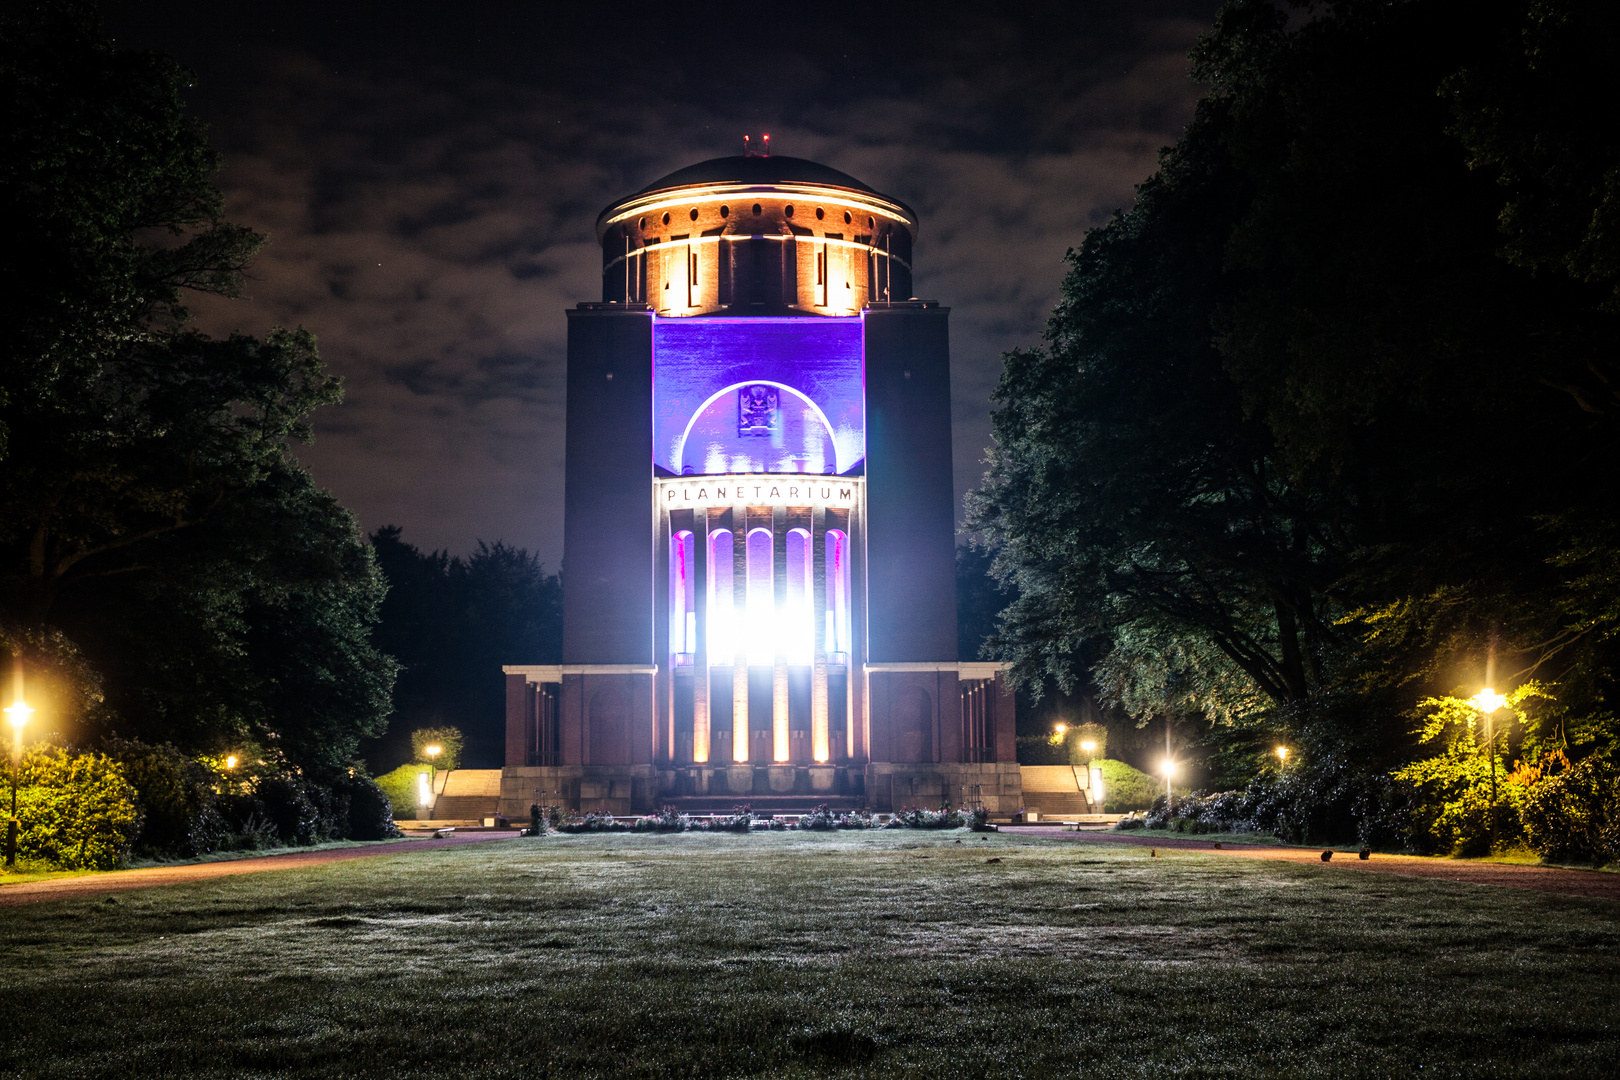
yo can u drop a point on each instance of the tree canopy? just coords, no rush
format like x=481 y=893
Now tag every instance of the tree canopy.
x=1315 y=422
x=452 y=623
x=159 y=545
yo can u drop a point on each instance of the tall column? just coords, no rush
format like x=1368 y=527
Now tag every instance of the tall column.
x=700 y=662
x=781 y=746
x=820 y=737
x=739 y=630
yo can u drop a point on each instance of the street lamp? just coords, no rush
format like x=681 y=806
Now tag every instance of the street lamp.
x=18 y=713
x=424 y=796
x=1488 y=701
x=1169 y=770
x=1088 y=746
x=1282 y=754
x=230 y=761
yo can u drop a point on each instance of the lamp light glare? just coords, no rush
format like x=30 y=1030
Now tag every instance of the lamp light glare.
x=1088 y=746
x=1282 y=754
x=230 y=761
x=1168 y=768
x=18 y=713
x=1488 y=700
x=1060 y=728
x=433 y=751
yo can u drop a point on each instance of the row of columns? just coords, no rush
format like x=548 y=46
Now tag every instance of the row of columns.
x=740 y=521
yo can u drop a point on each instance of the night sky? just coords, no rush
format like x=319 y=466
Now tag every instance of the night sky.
x=429 y=176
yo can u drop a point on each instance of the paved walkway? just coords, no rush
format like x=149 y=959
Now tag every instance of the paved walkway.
x=1543 y=878
x=33 y=892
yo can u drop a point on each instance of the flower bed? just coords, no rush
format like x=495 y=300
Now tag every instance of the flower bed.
x=742 y=819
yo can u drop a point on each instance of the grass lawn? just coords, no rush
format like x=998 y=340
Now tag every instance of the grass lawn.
x=890 y=954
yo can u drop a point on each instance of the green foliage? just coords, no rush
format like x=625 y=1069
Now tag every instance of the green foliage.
x=1124 y=787
x=1260 y=467
x=447 y=620
x=177 y=797
x=152 y=517
x=447 y=740
x=77 y=810
x=399 y=787
x=1575 y=814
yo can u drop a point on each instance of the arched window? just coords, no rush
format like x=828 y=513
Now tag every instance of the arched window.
x=722 y=600
x=837 y=629
x=761 y=628
x=682 y=597
x=799 y=620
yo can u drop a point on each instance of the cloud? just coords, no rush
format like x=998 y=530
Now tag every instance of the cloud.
x=431 y=222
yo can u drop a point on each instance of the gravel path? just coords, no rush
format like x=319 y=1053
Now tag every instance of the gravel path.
x=1543 y=878
x=33 y=892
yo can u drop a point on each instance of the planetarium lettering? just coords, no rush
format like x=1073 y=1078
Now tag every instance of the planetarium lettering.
x=771 y=491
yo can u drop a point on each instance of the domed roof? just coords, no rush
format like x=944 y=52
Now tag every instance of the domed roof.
x=755 y=169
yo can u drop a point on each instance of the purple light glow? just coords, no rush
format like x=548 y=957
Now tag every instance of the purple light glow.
x=700 y=365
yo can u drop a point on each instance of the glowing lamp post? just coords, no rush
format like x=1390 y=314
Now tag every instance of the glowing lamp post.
x=1488 y=701
x=1088 y=746
x=18 y=713
x=1282 y=754
x=1169 y=770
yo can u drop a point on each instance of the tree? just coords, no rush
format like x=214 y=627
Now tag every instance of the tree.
x=452 y=623
x=1298 y=439
x=152 y=520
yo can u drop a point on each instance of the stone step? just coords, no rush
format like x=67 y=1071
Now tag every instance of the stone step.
x=762 y=805
x=1057 y=804
x=459 y=782
x=473 y=807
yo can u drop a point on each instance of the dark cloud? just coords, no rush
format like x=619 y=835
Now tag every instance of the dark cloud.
x=429 y=179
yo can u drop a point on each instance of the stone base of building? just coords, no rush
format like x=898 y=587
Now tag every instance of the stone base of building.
x=882 y=787
x=998 y=786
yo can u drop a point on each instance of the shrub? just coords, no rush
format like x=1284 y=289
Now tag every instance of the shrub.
x=1575 y=815
x=668 y=819
x=400 y=788
x=178 y=799
x=1131 y=821
x=1125 y=788
x=289 y=806
x=77 y=811
x=913 y=817
x=447 y=739
x=821 y=819
x=370 y=811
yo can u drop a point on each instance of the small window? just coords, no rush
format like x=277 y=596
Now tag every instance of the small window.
x=692 y=213
x=848 y=217
x=642 y=224
x=725 y=211
x=871 y=223
x=820 y=213
x=788 y=209
x=666 y=217
x=756 y=209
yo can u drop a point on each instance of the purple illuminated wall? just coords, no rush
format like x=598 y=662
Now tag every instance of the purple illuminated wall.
x=701 y=364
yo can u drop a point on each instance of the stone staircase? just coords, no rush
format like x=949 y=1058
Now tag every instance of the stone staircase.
x=1056 y=792
x=468 y=795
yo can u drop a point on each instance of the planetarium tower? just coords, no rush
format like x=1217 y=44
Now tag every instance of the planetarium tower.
x=759 y=559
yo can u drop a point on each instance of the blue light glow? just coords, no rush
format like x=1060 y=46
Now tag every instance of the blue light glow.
x=700 y=365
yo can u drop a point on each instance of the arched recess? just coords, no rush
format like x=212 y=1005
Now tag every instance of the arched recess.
x=711 y=444
x=610 y=727
x=836 y=544
x=682 y=595
x=914 y=726
x=721 y=619
x=799 y=620
x=760 y=632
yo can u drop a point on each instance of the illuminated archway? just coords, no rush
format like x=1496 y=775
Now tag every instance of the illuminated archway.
x=807 y=443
